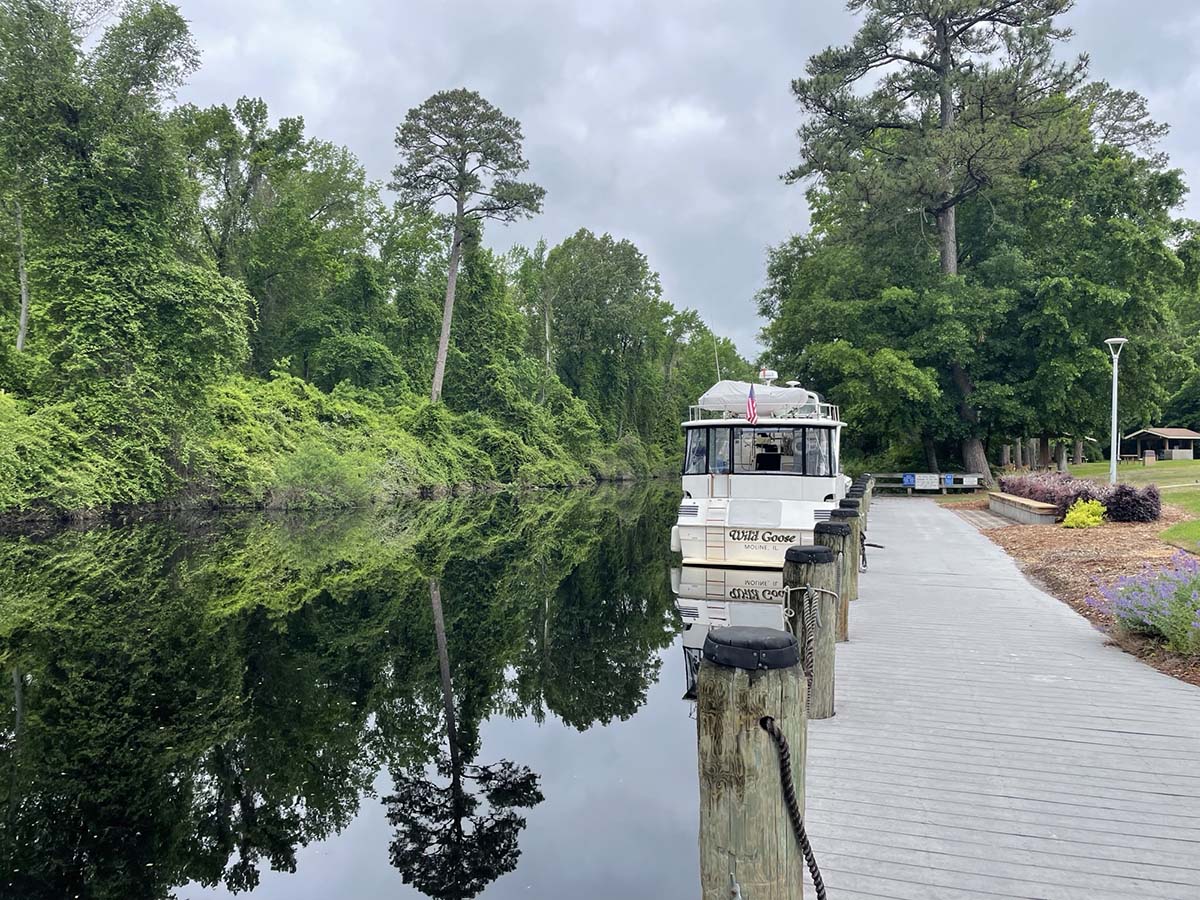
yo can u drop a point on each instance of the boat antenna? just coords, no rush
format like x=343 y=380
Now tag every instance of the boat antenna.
x=716 y=355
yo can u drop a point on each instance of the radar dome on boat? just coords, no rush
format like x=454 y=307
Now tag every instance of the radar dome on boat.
x=770 y=400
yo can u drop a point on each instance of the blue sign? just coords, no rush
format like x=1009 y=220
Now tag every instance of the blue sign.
x=949 y=481
x=908 y=479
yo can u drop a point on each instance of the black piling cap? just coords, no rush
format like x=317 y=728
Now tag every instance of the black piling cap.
x=808 y=553
x=856 y=491
x=850 y=503
x=746 y=647
x=844 y=514
x=839 y=528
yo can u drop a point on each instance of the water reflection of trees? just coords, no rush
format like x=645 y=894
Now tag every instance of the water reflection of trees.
x=197 y=701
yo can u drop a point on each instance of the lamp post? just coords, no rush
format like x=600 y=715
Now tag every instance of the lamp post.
x=1114 y=349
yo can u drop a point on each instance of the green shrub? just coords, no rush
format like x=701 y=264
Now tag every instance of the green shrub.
x=357 y=359
x=314 y=475
x=1084 y=514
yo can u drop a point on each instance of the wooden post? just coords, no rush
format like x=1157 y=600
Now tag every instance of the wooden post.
x=854 y=520
x=836 y=536
x=810 y=578
x=745 y=839
x=1005 y=456
x=1060 y=454
x=855 y=502
x=1019 y=455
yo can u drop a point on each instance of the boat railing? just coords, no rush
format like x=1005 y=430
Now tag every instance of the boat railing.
x=807 y=411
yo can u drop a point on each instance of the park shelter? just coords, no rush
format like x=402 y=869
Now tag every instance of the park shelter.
x=1167 y=443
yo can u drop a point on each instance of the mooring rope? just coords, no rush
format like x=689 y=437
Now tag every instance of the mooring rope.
x=793 y=807
x=863 y=552
x=809 y=612
x=810 y=620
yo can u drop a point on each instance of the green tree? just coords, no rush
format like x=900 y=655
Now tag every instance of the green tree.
x=457 y=147
x=38 y=77
x=1081 y=248
x=610 y=326
x=970 y=93
x=234 y=155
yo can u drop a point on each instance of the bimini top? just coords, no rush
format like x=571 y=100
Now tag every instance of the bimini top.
x=727 y=399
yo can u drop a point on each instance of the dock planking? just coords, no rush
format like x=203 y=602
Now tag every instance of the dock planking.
x=987 y=742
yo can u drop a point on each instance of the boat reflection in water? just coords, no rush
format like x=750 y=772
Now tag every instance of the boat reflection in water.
x=707 y=597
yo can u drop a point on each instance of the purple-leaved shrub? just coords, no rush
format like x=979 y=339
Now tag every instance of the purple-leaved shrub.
x=1122 y=502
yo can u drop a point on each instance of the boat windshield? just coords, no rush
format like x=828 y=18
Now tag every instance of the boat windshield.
x=801 y=450
x=695 y=456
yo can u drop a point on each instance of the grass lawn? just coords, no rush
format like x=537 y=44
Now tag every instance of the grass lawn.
x=1179 y=482
x=1165 y=474
x=962 y=498
x=1185 y=535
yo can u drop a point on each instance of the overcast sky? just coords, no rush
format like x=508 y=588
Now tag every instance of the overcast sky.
x=667 y=123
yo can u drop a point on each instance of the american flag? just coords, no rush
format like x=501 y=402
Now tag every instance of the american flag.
x=751 y=408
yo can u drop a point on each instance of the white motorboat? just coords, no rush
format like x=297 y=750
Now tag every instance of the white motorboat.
x=756 y=477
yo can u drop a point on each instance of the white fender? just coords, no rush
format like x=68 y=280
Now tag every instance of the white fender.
x=676 y=546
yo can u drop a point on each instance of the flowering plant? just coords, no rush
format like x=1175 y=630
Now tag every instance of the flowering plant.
x=1163 y=601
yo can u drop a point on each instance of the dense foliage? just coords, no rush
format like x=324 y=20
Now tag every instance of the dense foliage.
x=983 y=218
x=196 y=701
x=212 y=306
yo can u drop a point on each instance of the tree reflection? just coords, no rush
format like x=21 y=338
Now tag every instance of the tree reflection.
x=195 y=702
x=448 y=844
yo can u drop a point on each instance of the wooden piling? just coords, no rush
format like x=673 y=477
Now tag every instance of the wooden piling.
x=868 y=482
x=836 y=536
x=857 y=494
x=746 y=674
x=810 y=578
x=851 y=518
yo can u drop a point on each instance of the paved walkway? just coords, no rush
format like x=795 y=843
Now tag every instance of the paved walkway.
x=988 y=744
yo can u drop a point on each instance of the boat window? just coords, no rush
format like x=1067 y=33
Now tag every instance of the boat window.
x=718 y=451
x=769 y=450
x=818 y=459
x=695 y=455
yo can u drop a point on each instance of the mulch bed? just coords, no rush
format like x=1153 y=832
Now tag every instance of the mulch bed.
x=1068 y=563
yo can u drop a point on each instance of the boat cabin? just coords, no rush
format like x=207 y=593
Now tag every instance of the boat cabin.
x=758 y=474
x=796 y=435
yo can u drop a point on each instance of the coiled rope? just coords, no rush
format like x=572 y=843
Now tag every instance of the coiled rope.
x=793 y=807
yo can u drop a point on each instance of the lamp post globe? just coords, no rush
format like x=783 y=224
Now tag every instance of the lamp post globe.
x=1115 y=346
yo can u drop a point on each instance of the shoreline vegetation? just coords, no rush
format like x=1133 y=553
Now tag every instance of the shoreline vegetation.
x=282 y=444
x=208 y=307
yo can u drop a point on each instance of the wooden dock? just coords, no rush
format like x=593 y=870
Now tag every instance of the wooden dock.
x=987 y=744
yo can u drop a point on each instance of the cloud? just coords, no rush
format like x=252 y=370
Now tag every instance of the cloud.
x=664 y=121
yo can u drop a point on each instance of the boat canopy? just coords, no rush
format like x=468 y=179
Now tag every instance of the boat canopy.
x=729 y=398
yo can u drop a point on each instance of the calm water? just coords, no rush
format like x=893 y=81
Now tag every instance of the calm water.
x=251 y=704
